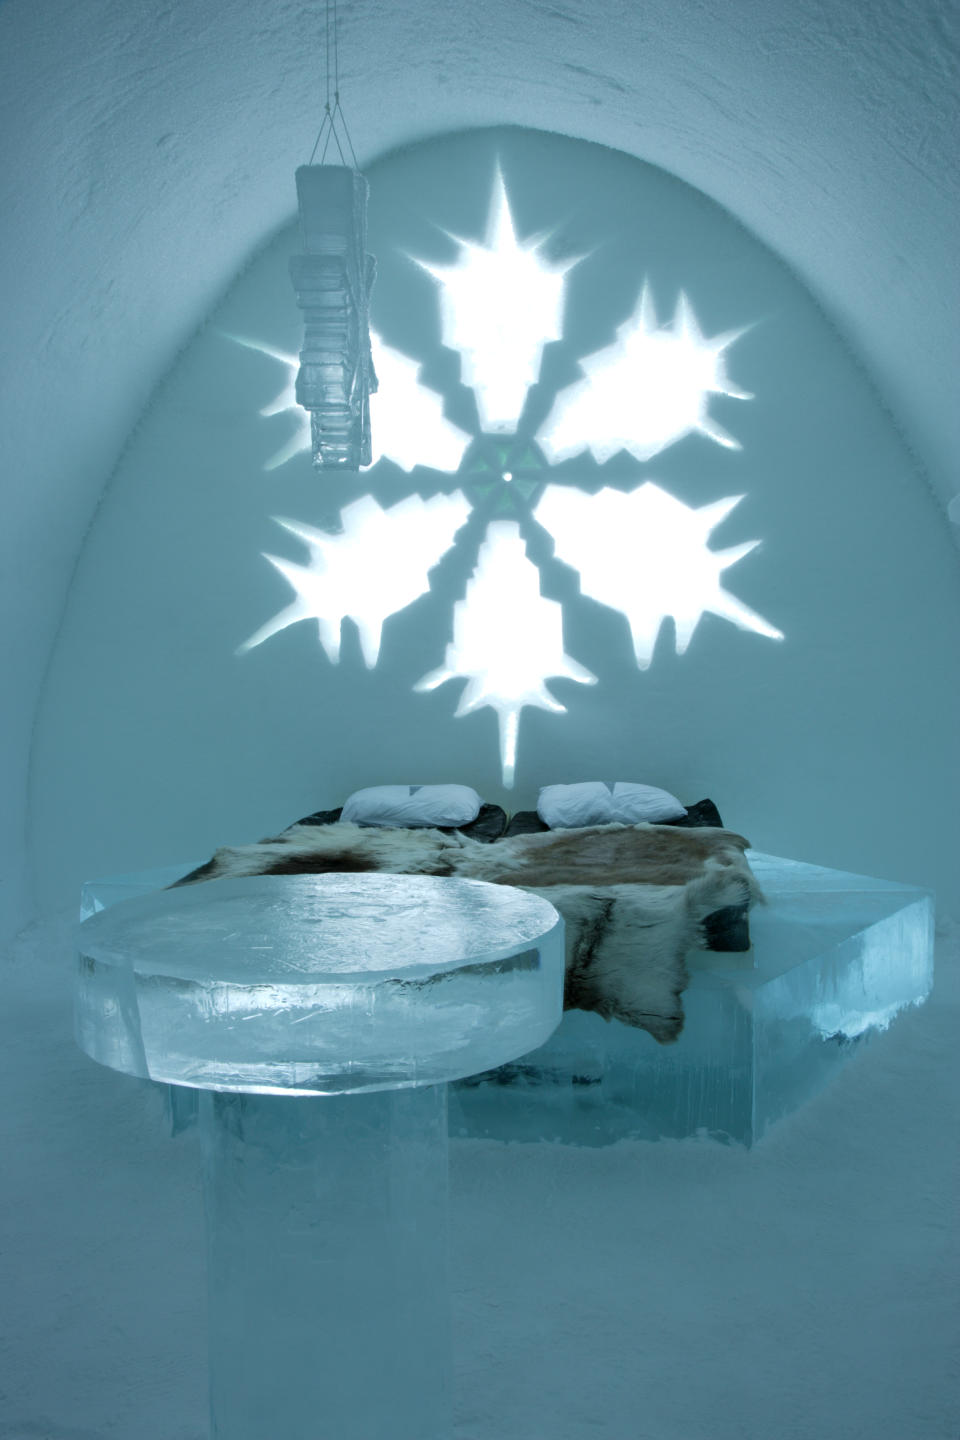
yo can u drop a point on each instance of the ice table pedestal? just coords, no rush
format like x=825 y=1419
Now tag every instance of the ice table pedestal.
x=321 y=1016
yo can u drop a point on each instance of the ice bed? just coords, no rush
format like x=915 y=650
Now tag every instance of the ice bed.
x=773 y=1005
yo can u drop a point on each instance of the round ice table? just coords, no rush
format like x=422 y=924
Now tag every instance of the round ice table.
x=326 y=1221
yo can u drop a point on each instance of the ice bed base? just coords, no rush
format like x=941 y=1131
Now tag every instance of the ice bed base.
x=835 y=958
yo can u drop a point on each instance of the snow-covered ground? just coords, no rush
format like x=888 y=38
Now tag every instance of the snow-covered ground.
x=804 y=1290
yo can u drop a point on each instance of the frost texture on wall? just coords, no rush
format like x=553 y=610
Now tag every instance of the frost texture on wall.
x=638 y=550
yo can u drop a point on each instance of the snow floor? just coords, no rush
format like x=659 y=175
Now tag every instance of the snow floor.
x=683 y=1290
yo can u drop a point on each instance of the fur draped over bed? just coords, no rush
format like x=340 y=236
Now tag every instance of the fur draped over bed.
x=632 y=896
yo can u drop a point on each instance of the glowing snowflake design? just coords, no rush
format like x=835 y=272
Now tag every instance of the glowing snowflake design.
x=500 y=303
x=376 y=566
x=506 y=663
x=640 y=550
x=654 y=561
x=646 y=391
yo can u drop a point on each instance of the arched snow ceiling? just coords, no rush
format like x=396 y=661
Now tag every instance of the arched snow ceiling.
x=149 y=148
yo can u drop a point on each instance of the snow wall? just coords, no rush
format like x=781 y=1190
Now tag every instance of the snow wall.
x=157 y=741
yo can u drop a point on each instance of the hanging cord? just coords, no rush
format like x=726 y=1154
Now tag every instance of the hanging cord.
x=333 y=113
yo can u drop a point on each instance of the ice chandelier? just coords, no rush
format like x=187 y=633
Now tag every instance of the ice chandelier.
x=333 y=279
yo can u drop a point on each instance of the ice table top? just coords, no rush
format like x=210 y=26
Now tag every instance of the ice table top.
x=319 y=984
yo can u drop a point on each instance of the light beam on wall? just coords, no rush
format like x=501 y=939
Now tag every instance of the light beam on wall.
x=500 y=303
x=285 y=402
x=507 y=641
x=645 y=553
x=646 y=391
x=407 y=419
x=409 y=426
x=378 y=564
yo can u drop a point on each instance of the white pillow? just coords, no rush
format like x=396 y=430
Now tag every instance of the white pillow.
x=565 y=806
x=592 y=802
x=633 y=804
x=409 y=806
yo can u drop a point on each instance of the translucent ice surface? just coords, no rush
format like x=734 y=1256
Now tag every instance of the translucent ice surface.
x=96 y=895
x=318 y=984
x=333 y=280
x=327 y=1265
x=835 y=958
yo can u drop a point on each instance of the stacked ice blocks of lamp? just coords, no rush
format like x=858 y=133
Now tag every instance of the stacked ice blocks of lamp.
x=333 y=279
x=320 y=1017
x=835 y=957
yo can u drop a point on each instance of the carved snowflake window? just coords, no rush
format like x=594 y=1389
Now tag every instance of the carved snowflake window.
x=640 y=551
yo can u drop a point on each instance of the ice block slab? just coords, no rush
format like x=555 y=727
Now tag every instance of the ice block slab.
x=327 y=1265
x=318 y=1015
x=835 y=958
x=97 y=895
x=318 y=984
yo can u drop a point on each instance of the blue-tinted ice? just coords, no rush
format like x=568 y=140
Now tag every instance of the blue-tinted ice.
x=319 y=983
x=835 y=957
x=318 y=1015
x=327 y=1265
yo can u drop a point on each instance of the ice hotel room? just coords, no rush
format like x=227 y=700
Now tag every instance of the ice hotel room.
x=566 y=625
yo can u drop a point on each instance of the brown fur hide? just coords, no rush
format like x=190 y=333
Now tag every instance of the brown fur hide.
x=607 y=855
x=632 y=896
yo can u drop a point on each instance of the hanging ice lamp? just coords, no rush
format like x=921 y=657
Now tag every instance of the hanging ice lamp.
x=333 y=278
